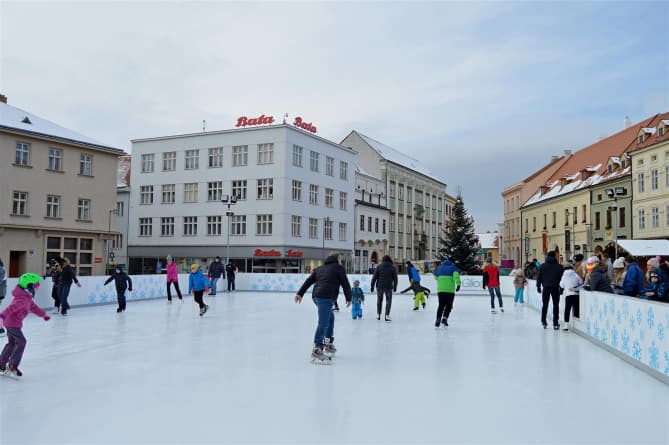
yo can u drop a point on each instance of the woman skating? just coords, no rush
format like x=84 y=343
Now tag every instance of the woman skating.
x=172 y=279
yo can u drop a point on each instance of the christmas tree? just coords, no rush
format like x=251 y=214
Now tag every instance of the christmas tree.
x=460 y=243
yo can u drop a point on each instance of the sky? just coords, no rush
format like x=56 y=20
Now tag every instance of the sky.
x=484 y=93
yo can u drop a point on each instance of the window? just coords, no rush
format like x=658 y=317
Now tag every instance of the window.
x=328 y=198
x=667 y=210
x=327 y=228
x=297 y=190
x=313 y=161
x=362 y=223
x=168 y=195
x=566 y=218
x=120 y=207
x=238 y=225
x=376 y=225
x=653 y=179
x=296 y=225
x=583 y=211
x=342 y=231
x=214 y=225
x=190 y=225
x=263 y=225
x=369 y=223
x=621 y=217
x=660 y=132
x=215 y=157
x=55 y=159
x=384 y=226
x=265 y=153
x=52 y=206
x=392 y=189
x=85 y=165
x=642 y=219
x=343 y=170
x=240 y=155
x=190 y=192
x=597 y=221
x=329 y=166
x=145 y=226
x=117 y=241
x=148 y=163
x=608 y=218
x=297 y=155
x=574 y=216
x=167 y=226
x=192 y=160
x=313 y=228
x=342 y=200
x=146 y=194
x=239 y=189
x=666 y=176
x=554 y=220
x=169 y=161
x=313 y=194
x=214 y=190
x=400 y=192
x=84 y=209
x=655 y=217
x=22 y=154
x=534 y=223
x=265 y=188
x=640 y=185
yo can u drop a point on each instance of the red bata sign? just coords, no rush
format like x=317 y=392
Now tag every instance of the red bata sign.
x=244 y=121
x=304 y=125
x=260 y=252
x=294 y=253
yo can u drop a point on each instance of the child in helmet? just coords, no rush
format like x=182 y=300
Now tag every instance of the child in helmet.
x=12 y=319
x=358 y=297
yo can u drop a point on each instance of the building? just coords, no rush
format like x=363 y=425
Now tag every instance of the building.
x=488 y=247
x=293 y=199
x=57 y=188
x=117 y=251
x=371 y=221
x=415 y=198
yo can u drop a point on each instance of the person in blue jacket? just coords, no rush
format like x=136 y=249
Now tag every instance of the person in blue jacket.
x=197 y=283
x=633 y=282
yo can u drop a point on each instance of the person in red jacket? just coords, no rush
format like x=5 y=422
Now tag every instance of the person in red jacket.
x=491 y=281
x=12 y=318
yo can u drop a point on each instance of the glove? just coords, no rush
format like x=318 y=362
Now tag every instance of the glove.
x=47 y=318
x=538 y=289
x=457 y=288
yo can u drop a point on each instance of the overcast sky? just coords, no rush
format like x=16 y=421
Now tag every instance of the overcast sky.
x=482 y=93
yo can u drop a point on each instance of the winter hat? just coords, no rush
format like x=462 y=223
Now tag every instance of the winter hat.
x=655 y=262
x=169 y=258
x=578 y=257
x=356 y=283
x=194 y=267
x=29 y=279
x=619 y=263
x=591 y=263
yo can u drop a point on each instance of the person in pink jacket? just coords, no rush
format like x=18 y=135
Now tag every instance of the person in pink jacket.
x=12 y=318
x=172 y=278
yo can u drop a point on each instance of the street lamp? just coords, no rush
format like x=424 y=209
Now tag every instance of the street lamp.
x=326 y=221
x=229 y=201
x=615 y=193
x=110 y=254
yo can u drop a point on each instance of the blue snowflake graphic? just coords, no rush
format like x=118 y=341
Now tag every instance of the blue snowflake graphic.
x=639 y=316
x=596 y=332
x=642 y=334
x=91 y=298
x=605 y=309
x=626 y=310
x=619 y=317
x=608 y=324
x=612 y=306
x=614 y=338
x=653 y=356
x=632 y=323
x=636 y=350
x=588 y=327
x=650 y=318
x=660 y=331
x=605 y=338
x=626 y=342
x=666 y=361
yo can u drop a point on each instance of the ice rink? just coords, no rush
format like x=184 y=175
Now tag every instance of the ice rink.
x=241 y=374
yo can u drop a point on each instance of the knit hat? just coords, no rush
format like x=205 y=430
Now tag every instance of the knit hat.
x=655 y=262
x=356 y=282
x=591 y=263
x=194 y=267
x=619 y=263
x=578 y=257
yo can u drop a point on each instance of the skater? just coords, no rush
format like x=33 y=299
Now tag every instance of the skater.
x=172 y=279
x=571 y=283
x=491 y=280
x=216 y=269
x=548 y=278
x=12 y=318
x=419 y=293
x=448 y=283
x=122 y=282
x=197 y=283
x=327 y=280
x=67 y=278
x=519 y=283
x=385 y=278
x=54 y=271
x=3 y=288
x=230 y=271
x=357 y=297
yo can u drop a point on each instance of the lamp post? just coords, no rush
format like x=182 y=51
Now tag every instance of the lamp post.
x=110 y=254
x=326 y=220
x=614 y=193
x=229 y=201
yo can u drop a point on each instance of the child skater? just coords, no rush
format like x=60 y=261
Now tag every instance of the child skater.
x=358 y=298
x=12 y=318
x=122 y=282
x=419 y=293
x=197 y=283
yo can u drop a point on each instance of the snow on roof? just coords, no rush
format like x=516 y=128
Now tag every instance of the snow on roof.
x=650 y=130
x=487 y=240
x=18 y=119
x=665 y=121
x=594 y=169
x=399 y=158
x=615 y=160
x=572 y=177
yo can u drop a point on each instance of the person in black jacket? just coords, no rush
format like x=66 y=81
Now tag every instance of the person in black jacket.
x=599 y=279
x=216 y=269
x=385 y=278
x=326 y=279
x=548 y=277
x=230 y=271
x=122 y=282
x=67 y=277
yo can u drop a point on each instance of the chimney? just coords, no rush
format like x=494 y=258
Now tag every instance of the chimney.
x=567 y=152
x=627 y=122
x=554 y=158
x=3 y=98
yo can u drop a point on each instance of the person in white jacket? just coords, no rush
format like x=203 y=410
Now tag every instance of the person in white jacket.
x=570 y=282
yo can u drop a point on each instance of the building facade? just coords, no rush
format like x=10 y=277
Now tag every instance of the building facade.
x=611 y=204
x=57 y=186
x=371 y=221
x=294 y=199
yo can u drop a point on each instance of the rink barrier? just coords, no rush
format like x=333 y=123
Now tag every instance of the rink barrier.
x=633 y=329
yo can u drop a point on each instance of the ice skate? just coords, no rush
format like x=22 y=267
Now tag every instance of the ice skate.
x=119 y=310
x=319 y=358
x=169 y=301
x=3 y=371
x=2 y=332
x=556 y=327
x=444 y=321
x=493 y=311
x=437 y=323
x=388 y=318
x=423 y=305
x=55 y=310
x=201 y=311
x=329 y=347
x=501 y=309
x=14 y=373
x=416 y=308
x=378 y=316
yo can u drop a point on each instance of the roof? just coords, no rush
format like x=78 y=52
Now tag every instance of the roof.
x=645 y=247
x=399 y=158
x=16 y=119
x=653 y=136
x=488 y=240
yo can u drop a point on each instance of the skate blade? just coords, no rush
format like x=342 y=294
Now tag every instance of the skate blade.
x=316 y=361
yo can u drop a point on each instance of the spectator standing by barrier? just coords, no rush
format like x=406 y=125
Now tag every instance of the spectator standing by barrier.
x=172 y=279
x=618 y=275
x=655 y=289
x=599 y=279
x=385 y=279
x=571 y=283
x=548 y=285
x=531 y=270
x=448 y=283
x=230 y=271
x=67 y=278
x=216 y=269
x=633 y=282
x=491 y=281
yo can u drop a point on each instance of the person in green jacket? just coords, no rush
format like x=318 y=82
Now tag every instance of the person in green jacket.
x=448 y=283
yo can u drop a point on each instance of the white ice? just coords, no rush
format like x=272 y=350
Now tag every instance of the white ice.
x=161 y=374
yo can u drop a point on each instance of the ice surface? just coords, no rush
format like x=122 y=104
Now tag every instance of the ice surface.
x=161 y=374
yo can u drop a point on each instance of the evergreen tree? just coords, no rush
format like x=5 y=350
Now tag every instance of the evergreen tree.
x=460 y=243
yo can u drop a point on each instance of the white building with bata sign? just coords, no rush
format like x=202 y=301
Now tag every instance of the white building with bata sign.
x=294 y=191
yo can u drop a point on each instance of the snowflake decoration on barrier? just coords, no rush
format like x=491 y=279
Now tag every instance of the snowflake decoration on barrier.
x=626 y=310
x=626 y=342
x=639 y=316
x=614 y=337
x=636 y=350
x=650 y=318
x=588 y=327
x=632 y=323
x=596 y=331
x=653 y=356
x=660 y=331
x=605 y=338
x=642 y=334
x=612 y=307
x=666 y=361
x=619 y=317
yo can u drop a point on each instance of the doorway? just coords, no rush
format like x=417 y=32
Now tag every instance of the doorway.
x=17 y=262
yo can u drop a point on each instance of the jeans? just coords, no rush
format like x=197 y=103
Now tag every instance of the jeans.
x=55 y=294
x=231 y=283
x=64 y=292
x=356 y=310
x=445 y=305
x=214 y=281
x=554 y=294
x=326 y=318
x=380 y=292
x=518 y=296
x=13 y=350
x=493 y=291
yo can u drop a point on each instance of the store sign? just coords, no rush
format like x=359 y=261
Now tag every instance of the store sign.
x=243 y=121
x=304 y=125
x=260 y=252
x=98 y=260
x=294 y=253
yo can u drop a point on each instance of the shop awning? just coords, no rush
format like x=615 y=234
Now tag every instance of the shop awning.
x=645 y=247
